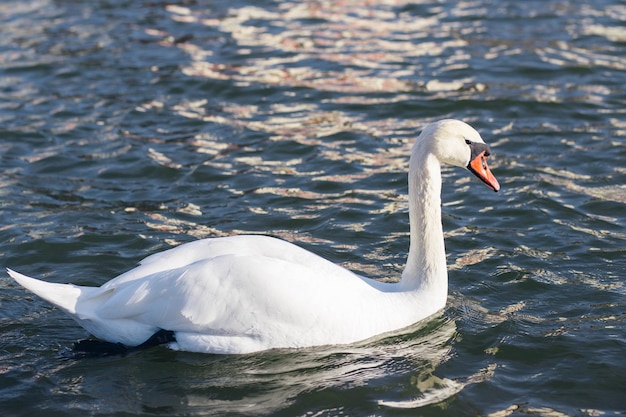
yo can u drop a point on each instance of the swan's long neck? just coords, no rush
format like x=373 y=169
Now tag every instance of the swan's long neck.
x=425 y=271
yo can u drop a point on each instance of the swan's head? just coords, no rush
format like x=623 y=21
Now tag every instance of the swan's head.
x=456 y=143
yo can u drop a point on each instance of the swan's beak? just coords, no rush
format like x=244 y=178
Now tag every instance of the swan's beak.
x=478 y=166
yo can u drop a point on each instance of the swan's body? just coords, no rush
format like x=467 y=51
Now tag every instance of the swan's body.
x=248 y=293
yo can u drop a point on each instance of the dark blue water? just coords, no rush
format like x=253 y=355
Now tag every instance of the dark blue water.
x=127 y=128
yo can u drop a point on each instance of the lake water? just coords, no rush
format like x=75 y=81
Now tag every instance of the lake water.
x=130 y=127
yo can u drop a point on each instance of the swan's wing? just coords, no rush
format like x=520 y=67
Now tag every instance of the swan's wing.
x=268 y=300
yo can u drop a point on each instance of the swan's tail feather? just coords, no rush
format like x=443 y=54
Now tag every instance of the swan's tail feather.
x=64 y=296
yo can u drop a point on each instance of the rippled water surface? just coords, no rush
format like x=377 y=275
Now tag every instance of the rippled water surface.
x=129 y=127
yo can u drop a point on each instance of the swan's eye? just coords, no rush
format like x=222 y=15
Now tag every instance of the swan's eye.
x=469 y=142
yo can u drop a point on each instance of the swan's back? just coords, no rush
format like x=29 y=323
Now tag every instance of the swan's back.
x=242 y=245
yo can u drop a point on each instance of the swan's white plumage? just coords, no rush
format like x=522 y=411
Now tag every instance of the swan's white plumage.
x=248 y=293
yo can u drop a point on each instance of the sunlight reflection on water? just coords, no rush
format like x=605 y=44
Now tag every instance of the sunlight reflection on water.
x=128 y=128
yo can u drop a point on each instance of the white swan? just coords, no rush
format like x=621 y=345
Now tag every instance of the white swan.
x=245 y=293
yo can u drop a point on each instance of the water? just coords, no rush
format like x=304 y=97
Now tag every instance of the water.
x=131 y=127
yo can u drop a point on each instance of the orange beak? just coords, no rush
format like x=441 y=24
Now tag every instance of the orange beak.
x=478 y=166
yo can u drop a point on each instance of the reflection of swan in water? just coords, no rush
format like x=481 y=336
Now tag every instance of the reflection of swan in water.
x=392 y=371
x=244 y=294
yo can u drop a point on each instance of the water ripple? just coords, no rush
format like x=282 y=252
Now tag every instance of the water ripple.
x=128 y=128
